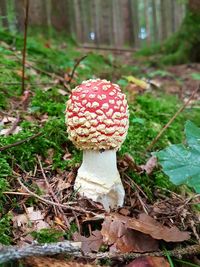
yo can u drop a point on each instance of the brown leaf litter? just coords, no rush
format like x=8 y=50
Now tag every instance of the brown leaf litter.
x=138 y=235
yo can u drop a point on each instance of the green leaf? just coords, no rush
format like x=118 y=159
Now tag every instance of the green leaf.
x=195 y=76
x=182 y=163
x=192 y=135
x=138 y=120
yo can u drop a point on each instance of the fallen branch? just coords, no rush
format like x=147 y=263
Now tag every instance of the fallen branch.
x=177 y=252
x=75 y=67
x=8 y=253
x=114 y=49
x=172 y=119
x=20 y=142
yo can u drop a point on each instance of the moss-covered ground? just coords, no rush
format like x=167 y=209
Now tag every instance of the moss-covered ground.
x=47 y=60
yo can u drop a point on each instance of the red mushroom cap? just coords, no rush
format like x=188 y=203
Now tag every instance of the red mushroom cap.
x=97 y=115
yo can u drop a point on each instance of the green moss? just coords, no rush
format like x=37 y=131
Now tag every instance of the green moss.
x=50 y=235
x=5 y=229
x=50 y=102
x=47 y=235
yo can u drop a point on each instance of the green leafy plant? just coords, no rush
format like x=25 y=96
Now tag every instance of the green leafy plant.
x=195 y=76
x=182 y=162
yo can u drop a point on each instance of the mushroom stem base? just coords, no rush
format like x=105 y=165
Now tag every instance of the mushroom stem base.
x=99 y=179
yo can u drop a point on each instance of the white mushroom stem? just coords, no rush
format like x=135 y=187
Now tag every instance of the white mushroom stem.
x=99 y=179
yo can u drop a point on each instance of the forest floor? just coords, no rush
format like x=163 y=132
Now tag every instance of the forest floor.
x=159 y=222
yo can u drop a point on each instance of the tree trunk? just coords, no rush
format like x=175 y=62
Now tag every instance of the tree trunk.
x=38 y=15
x=78 y=21
x=106 y=22
x=60 y=15
x=147 y=22
x=155 y=26
x=117 y=24
x=194 y=6
x=19 y=10
x=3 y=13
x=173 y=14
x=163 y=19
x=136 y=26
x=96 y=12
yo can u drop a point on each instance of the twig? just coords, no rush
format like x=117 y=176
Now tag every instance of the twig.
x=51 y=202
x=29 y=83
x=107 y=48
x=136 y=185
x=191 y=198
x=52 y=193
x=2 y=113
x=129 y=159
x=144 y=207
x=172 y=119
x=177 y=252
x=74 y=68
x=16 y=193
x=24 y=48
x=8 y=253
x=20 y=142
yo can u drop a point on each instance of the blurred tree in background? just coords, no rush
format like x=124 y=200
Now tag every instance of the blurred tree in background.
x=184 y=46
x=116 y=23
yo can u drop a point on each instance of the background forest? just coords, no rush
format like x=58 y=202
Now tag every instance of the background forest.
x=151 y=49
x=115 y=23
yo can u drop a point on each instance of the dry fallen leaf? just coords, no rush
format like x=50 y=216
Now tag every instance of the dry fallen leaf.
x=138 y=235
x=150 y=165
x=8 y=130
x=7 y=119
x=91 y=243
x=148 y=225
x=32 y=220
x=149 y=261
x=121 y=238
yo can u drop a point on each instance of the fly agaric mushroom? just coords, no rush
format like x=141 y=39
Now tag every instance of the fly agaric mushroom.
x=97 y=123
